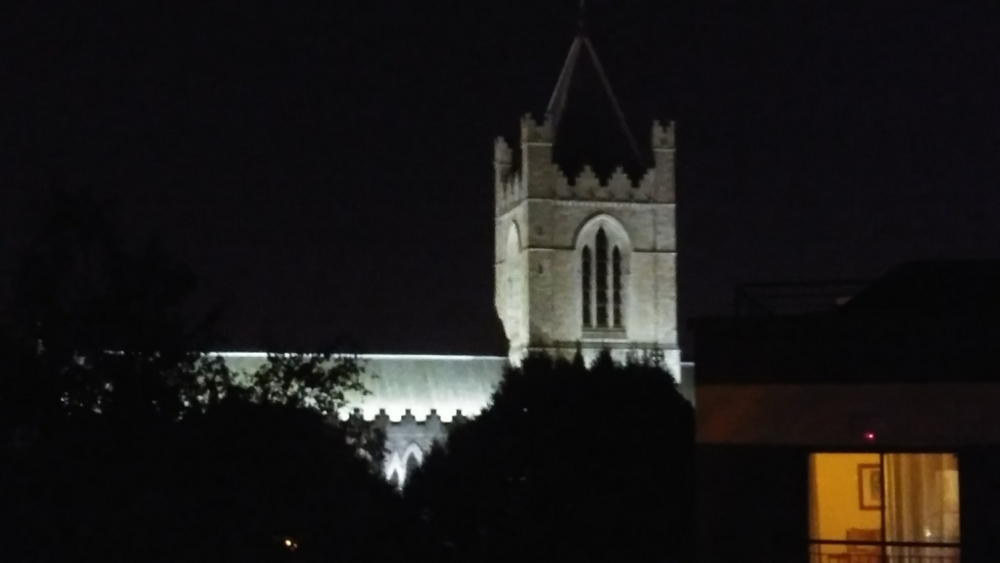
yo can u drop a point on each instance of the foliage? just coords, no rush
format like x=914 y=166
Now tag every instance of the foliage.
x=97 y=325
x=125 y=441
x=94 y=324
x=567 y=463
x=317 y=382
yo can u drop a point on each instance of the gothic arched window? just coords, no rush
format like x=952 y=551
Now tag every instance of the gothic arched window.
x=588 y=319
x=602 y=277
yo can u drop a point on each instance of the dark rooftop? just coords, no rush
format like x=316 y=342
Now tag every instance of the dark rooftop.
x=922 y=322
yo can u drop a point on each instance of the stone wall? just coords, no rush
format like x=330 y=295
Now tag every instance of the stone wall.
x=542 y=309
x=415 y=399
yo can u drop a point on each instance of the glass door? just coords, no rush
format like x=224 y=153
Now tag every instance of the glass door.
x=884 y=508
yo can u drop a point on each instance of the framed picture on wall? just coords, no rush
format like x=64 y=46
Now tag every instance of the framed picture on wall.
x=870 y=486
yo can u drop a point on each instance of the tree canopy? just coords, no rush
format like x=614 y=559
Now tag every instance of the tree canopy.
x=123 y=440
x=567 y=463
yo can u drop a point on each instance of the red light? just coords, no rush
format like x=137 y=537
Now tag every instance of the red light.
x=869 y=436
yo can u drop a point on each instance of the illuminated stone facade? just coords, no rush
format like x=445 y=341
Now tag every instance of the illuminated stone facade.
x=415 y=399
x=545 y=223
x=549 y=293
x=582 y=263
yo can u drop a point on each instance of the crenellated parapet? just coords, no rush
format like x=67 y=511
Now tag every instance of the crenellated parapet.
x=510 y=192
x=534 y=132
x=431 y=425
x=502 y=154
x=507 y=181
x=663 y=137
x=618 y=187
x=539 y=177
x=432 y=422
x=664 y=147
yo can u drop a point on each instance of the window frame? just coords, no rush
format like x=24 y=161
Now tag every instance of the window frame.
x=617 y=303
x=882 y=544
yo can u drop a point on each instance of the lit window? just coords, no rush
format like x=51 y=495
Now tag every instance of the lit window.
x=889 y=507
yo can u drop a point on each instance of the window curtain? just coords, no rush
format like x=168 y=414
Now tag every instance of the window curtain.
x=921 y=505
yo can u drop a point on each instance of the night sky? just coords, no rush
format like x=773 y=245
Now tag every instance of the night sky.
x=326 y=167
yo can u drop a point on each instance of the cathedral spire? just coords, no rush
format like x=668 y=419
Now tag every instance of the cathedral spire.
x=557 y=103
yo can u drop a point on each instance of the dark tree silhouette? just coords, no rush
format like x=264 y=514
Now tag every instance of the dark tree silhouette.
x=123 y=441
x=98 y=325
x=232 y=484
x=96 y=321
x=567 y=464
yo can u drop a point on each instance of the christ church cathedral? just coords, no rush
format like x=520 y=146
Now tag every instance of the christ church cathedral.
x=581 y=263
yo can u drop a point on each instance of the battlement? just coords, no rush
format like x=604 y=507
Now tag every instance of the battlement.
x=432 y=421
x=539 y=177
x=510 y=191
x=502 y=153
x=588 y=186
x=535 y=132
x=663 y=137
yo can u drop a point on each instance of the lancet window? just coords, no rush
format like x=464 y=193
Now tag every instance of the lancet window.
x=601 y=275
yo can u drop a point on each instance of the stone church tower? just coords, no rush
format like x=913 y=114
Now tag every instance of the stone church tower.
x=585 y=262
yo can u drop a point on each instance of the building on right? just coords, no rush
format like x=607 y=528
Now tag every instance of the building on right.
x=864 y=431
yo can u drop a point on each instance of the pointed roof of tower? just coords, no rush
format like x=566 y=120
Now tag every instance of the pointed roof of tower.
x=555 y=110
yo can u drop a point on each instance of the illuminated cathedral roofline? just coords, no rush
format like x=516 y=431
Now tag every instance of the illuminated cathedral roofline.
x=540 y=177
x=536 y=174
x=427 y=357
x=401 y=386
x=458 y=386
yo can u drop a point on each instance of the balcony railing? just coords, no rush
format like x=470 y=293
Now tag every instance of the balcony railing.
x=879 y=552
